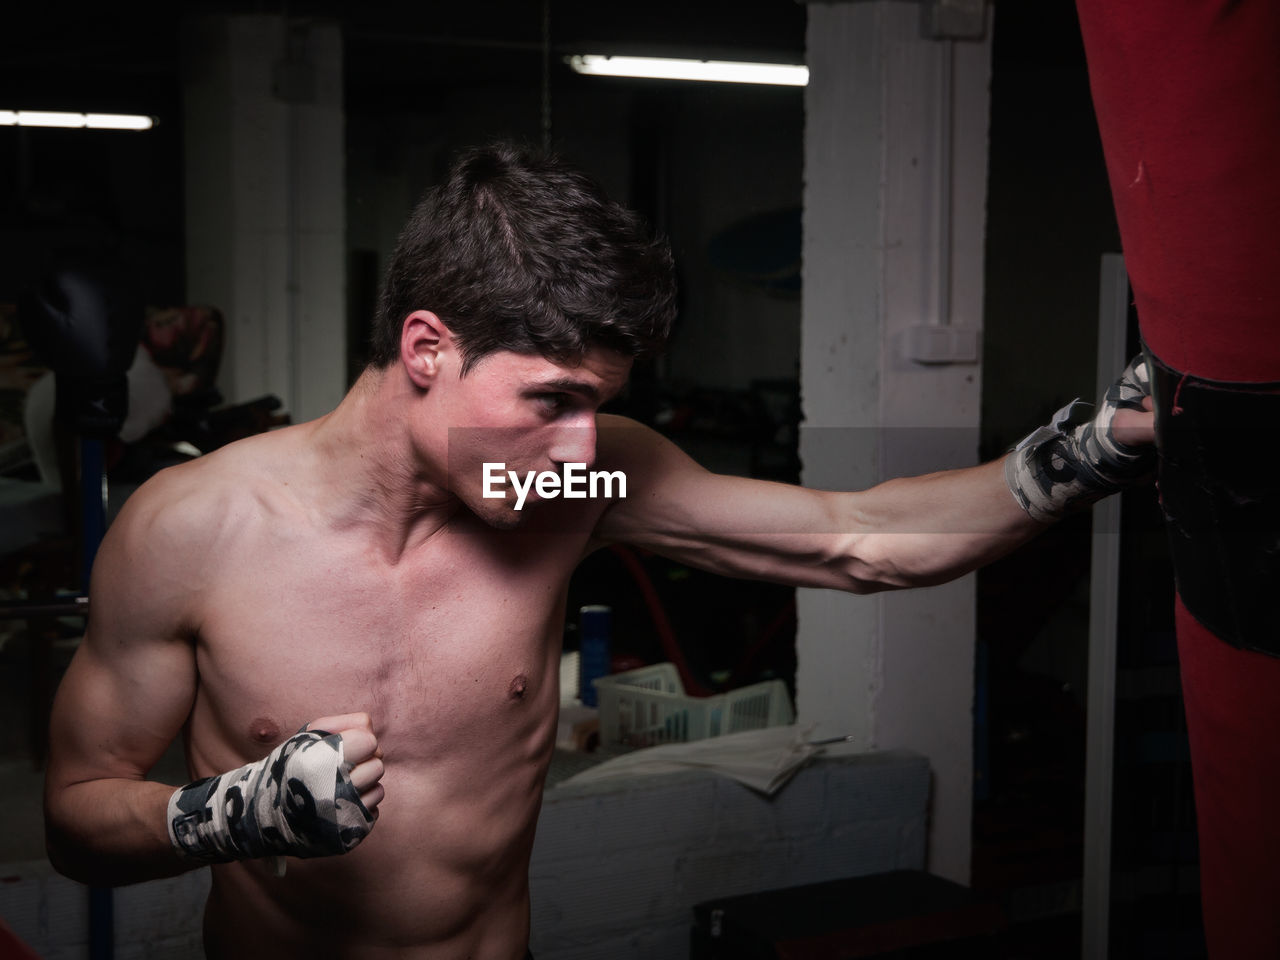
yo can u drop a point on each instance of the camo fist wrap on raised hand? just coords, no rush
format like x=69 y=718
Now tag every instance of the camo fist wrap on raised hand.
x=297 y=801
x=1073 y=461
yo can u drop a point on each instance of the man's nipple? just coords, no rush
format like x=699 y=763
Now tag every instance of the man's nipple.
x=518 y=686
x=264 y=730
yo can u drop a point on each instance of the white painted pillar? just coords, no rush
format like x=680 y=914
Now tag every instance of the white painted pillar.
x=895 y=188
x=265 y=204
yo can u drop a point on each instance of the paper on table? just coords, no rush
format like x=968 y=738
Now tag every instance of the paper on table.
x=762 y=759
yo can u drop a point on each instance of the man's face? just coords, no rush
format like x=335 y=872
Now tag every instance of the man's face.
x=527 y=412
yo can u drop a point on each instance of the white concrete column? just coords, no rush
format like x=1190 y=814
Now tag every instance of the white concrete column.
x=895 y=187
x=265 y=203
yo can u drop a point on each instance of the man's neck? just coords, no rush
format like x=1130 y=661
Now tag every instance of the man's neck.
x=373 y=476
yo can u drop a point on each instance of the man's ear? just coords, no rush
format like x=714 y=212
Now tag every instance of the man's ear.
x=423 y=340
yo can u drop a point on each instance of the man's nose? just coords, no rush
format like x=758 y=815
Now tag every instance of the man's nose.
x=575 y=442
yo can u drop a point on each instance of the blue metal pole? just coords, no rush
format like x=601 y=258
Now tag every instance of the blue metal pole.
x=93 y=506
x=93 y=518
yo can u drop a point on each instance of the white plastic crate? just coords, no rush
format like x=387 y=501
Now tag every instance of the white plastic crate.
x=645 y=707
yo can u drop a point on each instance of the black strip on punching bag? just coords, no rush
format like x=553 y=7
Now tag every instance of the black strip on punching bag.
x=1219 y=479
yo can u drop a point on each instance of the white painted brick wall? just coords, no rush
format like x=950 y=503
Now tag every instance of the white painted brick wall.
x=616 y=869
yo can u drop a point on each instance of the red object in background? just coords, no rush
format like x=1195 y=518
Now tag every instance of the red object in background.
x=661 y=625
x=1187 y=95
x=1231 y=699
x=11 y=948
x=622 y=662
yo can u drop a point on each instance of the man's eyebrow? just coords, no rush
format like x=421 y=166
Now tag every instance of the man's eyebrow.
x=567 y=384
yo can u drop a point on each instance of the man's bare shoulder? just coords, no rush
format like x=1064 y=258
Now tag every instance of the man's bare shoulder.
x=198 y=504
x=626 y=444
x=621 y=439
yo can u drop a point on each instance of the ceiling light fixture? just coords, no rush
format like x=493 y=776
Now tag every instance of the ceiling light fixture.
x=667 y=68
x=74 y=121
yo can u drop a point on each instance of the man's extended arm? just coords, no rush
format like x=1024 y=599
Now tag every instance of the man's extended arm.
x=906 y=532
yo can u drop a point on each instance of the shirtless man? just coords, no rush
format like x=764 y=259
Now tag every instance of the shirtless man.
x=350 y=575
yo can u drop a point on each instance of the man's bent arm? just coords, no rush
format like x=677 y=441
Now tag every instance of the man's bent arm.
x=124 y=698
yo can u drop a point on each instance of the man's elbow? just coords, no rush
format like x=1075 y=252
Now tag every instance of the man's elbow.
x=861 y=583
x=854 y=575
x=66 y=849
x=59 y=846
x=856 y=560
x=877 y=563
x=77 y=862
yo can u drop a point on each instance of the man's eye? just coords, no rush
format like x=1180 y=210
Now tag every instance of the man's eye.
x=553 y=402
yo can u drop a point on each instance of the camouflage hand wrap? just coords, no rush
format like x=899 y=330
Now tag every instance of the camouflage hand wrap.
x=1072 y=462
x=298 y=801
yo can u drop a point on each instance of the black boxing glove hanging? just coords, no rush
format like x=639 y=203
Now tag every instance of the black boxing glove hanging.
x=84 y=322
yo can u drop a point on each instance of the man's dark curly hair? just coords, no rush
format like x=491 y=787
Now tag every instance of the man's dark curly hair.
x=517 y=250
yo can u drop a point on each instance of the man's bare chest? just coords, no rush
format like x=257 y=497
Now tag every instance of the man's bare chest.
x=434 y=648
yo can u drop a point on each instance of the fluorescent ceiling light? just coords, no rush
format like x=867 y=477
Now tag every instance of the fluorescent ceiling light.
x=666 y=68
x=74 y=121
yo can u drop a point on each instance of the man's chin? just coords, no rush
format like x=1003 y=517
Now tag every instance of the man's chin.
x=502 y=516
